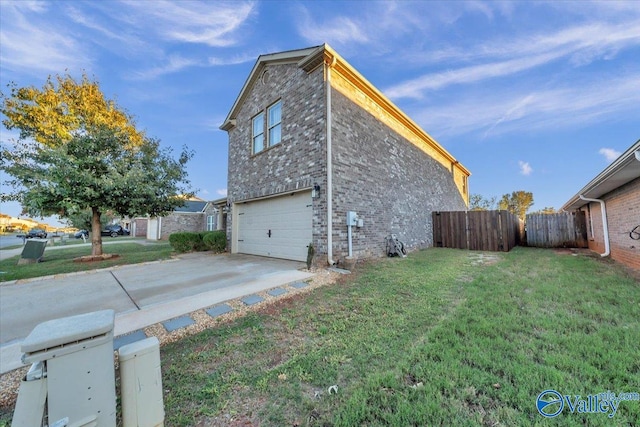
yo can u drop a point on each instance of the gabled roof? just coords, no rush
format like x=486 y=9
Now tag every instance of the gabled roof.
x=191 y=206
x=624 y=169
x=288 y=57
x=309 y=59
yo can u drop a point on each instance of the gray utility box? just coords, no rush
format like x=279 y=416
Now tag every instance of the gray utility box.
x=76 y=355
x=141 y=384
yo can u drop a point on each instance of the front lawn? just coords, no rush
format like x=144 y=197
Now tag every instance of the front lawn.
x=58 y=261
x=443 y=337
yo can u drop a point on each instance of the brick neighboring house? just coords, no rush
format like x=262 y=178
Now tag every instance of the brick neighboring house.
x=194 y=215
x=310 y=139
x=616 y=230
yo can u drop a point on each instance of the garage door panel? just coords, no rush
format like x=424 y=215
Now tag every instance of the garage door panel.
x=287 y=218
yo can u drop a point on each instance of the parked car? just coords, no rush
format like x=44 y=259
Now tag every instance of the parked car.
x=37 y=233
x=79 y=234
x=114 y=231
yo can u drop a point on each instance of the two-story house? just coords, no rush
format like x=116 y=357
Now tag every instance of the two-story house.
x=310 y=139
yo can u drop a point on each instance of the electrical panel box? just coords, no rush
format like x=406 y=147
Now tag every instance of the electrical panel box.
x=77 y=355
x=141 y=384
x=352 y=218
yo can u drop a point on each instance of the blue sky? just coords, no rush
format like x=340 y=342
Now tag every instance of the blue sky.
x=534 y=96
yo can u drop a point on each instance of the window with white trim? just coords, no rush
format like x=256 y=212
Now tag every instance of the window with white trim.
x=271 y=120
x=211 y=223
x=257 y=134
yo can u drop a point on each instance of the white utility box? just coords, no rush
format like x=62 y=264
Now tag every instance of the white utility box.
x=73 y=360
x=141 y=384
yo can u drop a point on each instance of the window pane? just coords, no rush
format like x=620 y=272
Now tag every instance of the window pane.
x=275 y=128
x=275 y=113
x=258 y=133
x=258 y=143
x=275 y=135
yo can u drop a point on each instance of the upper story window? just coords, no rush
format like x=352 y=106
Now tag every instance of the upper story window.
x=273 y=124
x=258 y=133
x=274 y=114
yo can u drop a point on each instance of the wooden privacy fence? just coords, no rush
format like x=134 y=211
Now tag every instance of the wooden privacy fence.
x=477 y=230
x=559 y=230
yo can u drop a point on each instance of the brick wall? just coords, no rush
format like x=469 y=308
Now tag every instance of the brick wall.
x=140 y=227
x=182 y=221
x=623 y=214
x=391 y=184
x=298 y=161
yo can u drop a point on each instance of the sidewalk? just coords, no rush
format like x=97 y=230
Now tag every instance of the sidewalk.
x=142 y=295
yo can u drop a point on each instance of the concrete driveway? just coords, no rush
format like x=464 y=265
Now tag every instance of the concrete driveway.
x=141 y=295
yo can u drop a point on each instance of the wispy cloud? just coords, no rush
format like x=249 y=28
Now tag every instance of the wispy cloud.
x=335 y=31
x=32 y=44
x=610 y=154
x=222 y=192
x=174 y=63
x=210 y=23
x=525 y=168
x=561 y=107
x=579 y=45
x=415 y=88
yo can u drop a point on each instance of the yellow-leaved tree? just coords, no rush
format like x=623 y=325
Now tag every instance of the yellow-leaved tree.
x=78 y=152
x=64 y=108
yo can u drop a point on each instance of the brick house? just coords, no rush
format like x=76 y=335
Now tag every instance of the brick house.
x=194 y=215
x=310 y=139
x=611 y=202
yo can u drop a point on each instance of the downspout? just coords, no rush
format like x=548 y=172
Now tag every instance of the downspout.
x=605 y=226
x=329 y=168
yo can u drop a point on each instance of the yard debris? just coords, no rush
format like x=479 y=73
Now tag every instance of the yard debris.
x=282 y=377
x=418 y=385
x=333 y=388
x=496 y=385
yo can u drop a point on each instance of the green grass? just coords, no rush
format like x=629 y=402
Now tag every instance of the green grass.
x=60 y=261
x=443 y=337
x=483 y=341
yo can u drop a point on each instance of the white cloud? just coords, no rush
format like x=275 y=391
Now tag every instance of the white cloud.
x=214 y=24
x=335 y=31
x=35 y=45
x=610 y=154
x=174 y=63
x=222 y=192
x=525 y=168
x=580 y=45
x=507 y=111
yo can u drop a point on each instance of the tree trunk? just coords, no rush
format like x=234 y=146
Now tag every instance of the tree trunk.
x=96 y=236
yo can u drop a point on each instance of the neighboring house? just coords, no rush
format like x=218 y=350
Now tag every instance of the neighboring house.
x=193 y=215
x=611 y=202
x=310 y=139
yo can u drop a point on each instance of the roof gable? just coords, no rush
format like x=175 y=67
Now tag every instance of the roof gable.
x=288 y=57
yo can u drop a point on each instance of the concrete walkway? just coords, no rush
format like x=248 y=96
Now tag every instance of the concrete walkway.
x=142 y=295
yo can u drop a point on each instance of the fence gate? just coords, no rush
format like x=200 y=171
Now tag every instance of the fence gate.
x=559 y=230
x=477 y=230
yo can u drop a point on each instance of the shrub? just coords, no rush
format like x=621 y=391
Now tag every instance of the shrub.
x=215 y=241
x=186 y=241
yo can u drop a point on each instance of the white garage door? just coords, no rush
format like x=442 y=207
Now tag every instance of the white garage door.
x=278 y=227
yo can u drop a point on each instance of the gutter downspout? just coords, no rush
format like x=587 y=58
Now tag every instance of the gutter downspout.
x=329 y=168
x=605 y=226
